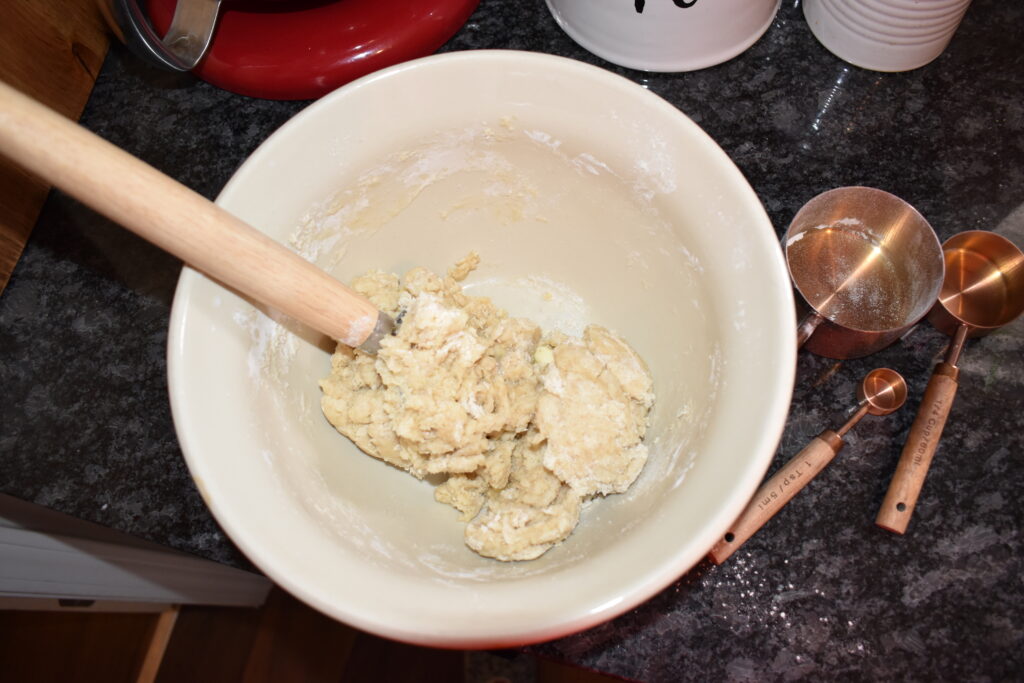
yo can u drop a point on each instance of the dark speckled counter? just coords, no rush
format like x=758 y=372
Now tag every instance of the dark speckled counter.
x=820 y=593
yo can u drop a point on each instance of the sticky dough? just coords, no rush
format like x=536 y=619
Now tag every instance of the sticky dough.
x=523 y=426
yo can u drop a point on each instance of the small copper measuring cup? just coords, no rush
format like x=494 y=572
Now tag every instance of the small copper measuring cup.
x=868 y=265
x=983 y=290
x=882 y=391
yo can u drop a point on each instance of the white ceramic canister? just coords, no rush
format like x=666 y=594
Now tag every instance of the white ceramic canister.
x=665 y=35
x=885 y=35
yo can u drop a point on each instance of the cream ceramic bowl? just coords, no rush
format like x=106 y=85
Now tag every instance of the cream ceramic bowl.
x=588 y=199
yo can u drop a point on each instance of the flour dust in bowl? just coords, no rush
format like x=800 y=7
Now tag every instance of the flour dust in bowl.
x=588 y=200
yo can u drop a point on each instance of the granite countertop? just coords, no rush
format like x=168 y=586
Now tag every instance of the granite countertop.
x=820 y=592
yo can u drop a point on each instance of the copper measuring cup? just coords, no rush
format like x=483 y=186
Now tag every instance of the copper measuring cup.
x=868 y=265
x=983 y=290
x=882 y=391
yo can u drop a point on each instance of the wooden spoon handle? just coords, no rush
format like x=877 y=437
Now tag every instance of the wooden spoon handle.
x=919 y=450
x=778 y=491
x=178 y=220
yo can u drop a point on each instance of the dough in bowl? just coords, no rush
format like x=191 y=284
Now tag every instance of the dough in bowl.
x=521 y=426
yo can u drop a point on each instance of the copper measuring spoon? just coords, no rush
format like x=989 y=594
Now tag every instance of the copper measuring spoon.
x=882 y=391
x=983 y=290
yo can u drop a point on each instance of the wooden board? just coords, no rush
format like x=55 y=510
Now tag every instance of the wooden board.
x=45 y=647
x=51 y=50
x=284 y=640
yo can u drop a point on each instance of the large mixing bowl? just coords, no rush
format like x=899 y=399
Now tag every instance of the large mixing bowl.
x=589 y=199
